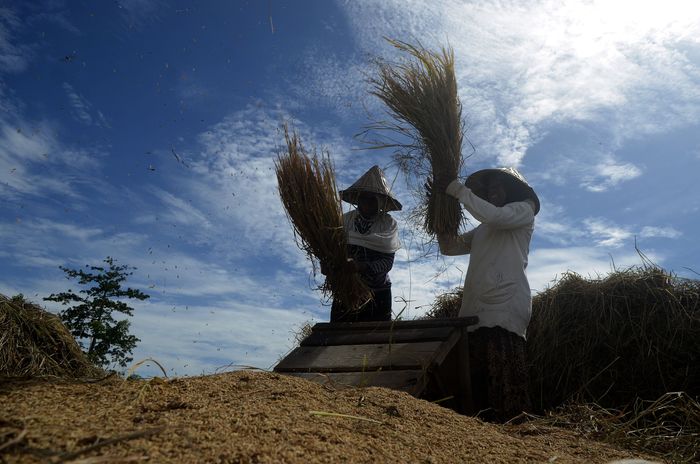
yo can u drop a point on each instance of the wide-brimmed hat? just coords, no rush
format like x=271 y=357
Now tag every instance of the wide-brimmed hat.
x=372 y=181
x=479 y=180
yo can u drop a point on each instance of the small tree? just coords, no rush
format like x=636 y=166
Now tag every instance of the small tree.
x=91 y=321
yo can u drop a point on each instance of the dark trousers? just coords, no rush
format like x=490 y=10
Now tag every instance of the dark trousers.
x=376 y=309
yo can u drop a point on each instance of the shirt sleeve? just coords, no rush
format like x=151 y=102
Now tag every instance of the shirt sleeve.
x=510 y=216
x=453 y=245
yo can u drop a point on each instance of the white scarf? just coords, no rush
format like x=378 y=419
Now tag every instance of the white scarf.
x=382 y=236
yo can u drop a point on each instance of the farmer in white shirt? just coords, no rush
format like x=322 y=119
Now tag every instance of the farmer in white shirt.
x=496 y=287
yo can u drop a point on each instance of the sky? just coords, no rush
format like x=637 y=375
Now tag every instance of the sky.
x=147 y=130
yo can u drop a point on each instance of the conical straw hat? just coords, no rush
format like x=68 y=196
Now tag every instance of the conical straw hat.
x=372 y=181
x=509 y=174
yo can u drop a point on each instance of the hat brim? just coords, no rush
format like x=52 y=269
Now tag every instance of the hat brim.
x=352 y=196
x=479 y=179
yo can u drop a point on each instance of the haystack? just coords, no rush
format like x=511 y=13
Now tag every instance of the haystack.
x=35 y=343
x=422 y=98
x=617 y=358
x=634 y=334
x=307 y=187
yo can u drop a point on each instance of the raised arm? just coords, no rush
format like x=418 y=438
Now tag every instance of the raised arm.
x=453 y=245
x=510 y=216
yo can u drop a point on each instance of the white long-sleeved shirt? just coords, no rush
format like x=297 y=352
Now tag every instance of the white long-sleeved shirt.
x=496 y=287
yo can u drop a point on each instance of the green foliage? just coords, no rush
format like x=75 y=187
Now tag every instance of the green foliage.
x=104 y=339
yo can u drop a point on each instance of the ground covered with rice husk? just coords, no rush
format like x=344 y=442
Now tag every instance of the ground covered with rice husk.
x=260 y=417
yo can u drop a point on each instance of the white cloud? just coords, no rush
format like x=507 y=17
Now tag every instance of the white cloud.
x=606 y=233
x=13 y=57
x=81 y=108
x=660 y=232
x=549 y=264
x=523 y=66
x=31 y=155
x=609 y=174
x=554 y=225
x=213 y=336
x=180 y=211
x=40 y=241
x=336 y=83
x=594 y=168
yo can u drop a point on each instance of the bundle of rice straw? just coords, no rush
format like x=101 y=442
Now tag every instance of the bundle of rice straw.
x=308 y=191
x=422 y=96
x=35 y=343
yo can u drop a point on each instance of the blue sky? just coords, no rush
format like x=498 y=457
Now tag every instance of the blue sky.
x=146 y=130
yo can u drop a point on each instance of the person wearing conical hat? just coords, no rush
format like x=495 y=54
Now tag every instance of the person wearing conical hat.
x=372 y=238
x=496 y=288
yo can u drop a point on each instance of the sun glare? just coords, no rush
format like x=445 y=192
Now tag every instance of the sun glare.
x=627 y=21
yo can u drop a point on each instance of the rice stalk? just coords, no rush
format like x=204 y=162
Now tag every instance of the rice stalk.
x=307 y=187
x=135 y=366
x=421 y=96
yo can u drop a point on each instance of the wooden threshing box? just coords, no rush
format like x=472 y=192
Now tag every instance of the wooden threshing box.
x=427 y=358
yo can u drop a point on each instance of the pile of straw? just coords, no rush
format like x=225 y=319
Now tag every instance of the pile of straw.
x=446 y=305
x=35 y=343
x=308 y=191
x=422 y=97
x=633 y=334
x=668 y=427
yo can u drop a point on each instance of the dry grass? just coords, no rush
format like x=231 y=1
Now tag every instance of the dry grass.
x=668 y=427
x=421 y=95
x=35 y=343
x=308 y=191
x=633 y=334
x=303 y=332
x=446 y=305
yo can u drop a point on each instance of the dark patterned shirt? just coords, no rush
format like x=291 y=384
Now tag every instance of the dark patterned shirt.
x=378 y=266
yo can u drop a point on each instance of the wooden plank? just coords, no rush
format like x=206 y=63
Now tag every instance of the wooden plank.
x=447 y=346
x=410 y=381
x=352 y=358
x=356 y=337
x=398 y=325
